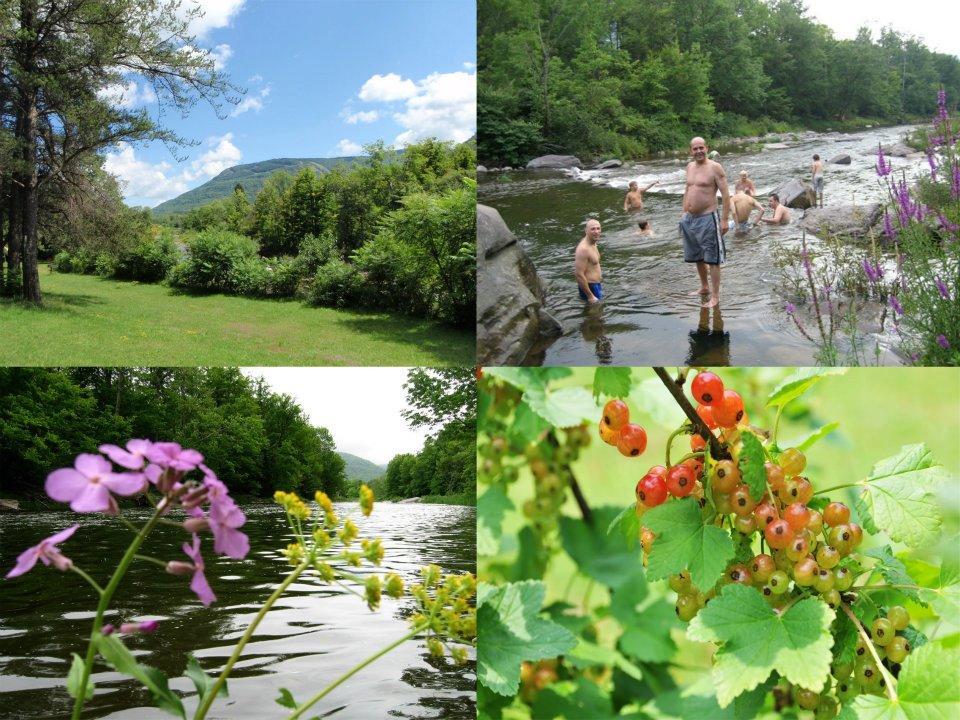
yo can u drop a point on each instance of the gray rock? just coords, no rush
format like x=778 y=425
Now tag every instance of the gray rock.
x=898 y=150
x=609 y=164
x=506 y=168
x=776 y=146
x=510 y=314
x=841 y=160
x=850 y=220
x=795 y=194
x=407 y=501
x=849 y=138
x=481 y=169
x=548 y=162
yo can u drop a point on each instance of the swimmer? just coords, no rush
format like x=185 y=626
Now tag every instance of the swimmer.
x=586 y=264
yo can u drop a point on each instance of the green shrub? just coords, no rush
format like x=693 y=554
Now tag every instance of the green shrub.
x=84 y=262
x=105 y=264
x=214 y=262
x=150 y=259
x=284 y=277
x=314 y=252
x=338 y=284
x=250 y=276
x=63 y=262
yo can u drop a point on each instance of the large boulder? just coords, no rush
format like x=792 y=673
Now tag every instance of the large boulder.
x=609 y=164
x=849 y=220
x=898 y=150
x=510 y=314
x=841 y=159
x=481 y=169
x=795 y=194
x=554 y=162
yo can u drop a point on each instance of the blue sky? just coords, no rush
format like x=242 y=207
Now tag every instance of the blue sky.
x=322 y=78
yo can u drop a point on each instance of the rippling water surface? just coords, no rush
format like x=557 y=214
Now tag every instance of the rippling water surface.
x=648 y=316
x=313 y=634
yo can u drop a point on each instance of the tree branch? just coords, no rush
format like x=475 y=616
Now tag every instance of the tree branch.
x=717 y=451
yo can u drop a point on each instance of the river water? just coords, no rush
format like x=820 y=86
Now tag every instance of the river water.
x=310 y=637
x=648 y=316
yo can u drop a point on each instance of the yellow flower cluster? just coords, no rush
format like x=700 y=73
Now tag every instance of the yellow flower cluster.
x=293 y=553
x=372 y=550
x=372 y=591
x=349 y=532
x=393 y=586
x=326 y=504
x=292 y=503
x=366 y=500
x=447 y=609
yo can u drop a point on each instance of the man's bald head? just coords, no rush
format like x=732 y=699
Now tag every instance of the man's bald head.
x=698 y=149
x=592 y=230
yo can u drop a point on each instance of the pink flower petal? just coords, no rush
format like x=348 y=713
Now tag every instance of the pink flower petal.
x=65 y=484
x=202 y=588
x=61 y=536
x=25 y=561
x=230 y=542
x=125 y=483
x=92 y=465
x=93 y=498
x=121 y=457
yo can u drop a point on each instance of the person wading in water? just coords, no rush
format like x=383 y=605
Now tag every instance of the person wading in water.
x=701 y=226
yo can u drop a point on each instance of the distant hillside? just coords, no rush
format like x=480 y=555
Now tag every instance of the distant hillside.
x=251 y=176
x=360 y=469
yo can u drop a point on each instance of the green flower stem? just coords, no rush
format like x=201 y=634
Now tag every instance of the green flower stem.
x=93 y=583
x=105 y=596
x=690 y=455
x=890 y=682
x=839 y=487
x=153 y=560
x=679 y=431
x=225 y=673
x=776 y=424
x=301 y=709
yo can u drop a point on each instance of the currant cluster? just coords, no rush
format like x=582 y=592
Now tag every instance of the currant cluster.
x=549 y=463
x=534 y=676
x=617 y=430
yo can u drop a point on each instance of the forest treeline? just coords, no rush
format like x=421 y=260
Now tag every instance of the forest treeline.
x=256 y=440
x=444 y=399
x=629 y=77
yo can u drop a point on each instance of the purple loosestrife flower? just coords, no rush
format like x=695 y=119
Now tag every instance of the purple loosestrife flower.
x=790 y=308
x=199 y=582
x=227 y=539
x=87 y=486
x=872 y=271
x=133 y=458
x=888 y=228
x=955 y=182
x=895 y=304
x=145 y=626
x=170 y=455
x=943 y=342
x=932 y=160
x=47 y=552
x=942 y=288
x=108 y=629
x=883 y=167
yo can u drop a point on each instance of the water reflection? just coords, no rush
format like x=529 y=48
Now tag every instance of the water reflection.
x=593 y=330
x=709 y=343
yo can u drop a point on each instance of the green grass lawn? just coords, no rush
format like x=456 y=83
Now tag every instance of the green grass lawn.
x=88 y=320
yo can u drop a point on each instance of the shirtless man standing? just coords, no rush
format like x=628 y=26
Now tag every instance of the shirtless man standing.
x=816 y=170
x=700 y=225
x=586 y=264
x=781 y=216
x=742 y=205
x=633 y=202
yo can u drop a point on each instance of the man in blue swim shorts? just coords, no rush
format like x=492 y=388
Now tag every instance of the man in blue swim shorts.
x=586 y=264
x=701 y=226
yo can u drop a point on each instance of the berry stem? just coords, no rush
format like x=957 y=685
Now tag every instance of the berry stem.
x=884 y=586
x=574 y=485
x=839 y=487
x=679 y=431
x=718 y=451
x=93 y=583
x=873 y=651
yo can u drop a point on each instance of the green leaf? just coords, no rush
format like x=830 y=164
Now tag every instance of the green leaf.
x=899 y=496
x=611 y=381
x=74 y=676
x=527 y=425
x=647 y=638
x=627 y=525
x=624 y=600
x=699 y=702
x=814 y=437
x=684 y=543
x=491 y=508
x=752 y=468
x=201 y=681
x=587 y=654
x=607 y=558
x=657 y=403
x=927 y=688
x=565 y=407
x=286 y=699
x=756 y=641
x=893 y=571
x=511 y=631
x=522 y=378
x=122 y=660
x=573 y=699
x=844 y=639
x=798 y=383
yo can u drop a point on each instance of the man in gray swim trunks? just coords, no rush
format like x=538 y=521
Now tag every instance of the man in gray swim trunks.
x=701 y=226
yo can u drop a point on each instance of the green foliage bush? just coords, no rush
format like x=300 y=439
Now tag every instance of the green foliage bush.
x=150 y=259
x=63 y=262
x=339 y=284
x=218 y=261
x=283 y=277
x=105 y=265
x=249 y=276
x=315 y=251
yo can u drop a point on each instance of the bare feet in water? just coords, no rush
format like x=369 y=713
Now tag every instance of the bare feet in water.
x=713 y=302
x=701 y=291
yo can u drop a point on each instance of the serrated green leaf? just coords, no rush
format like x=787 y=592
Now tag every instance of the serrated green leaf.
x=624 y=600
x=611 y=381
x=798 y=383
x=527 y=425
x=756 y=641
x=751 y=464
x=657 y=403
x=520 y=377
x=914 y=637
x=74 y=677
x=814 y=437
x=699 y=702
x=565 y=407
x=899 y=496
x=607 y=558
x=945 y=602
x=627 y=525
x=122 y=660
x=647 y=638
x=844 y=639
x=492 y=506
x=201 y=681
x=573 y=699
x=893 y=571
x=511 y=630
x=588 y=654
x=286 y=699
x=683 y=542
x=928 y=688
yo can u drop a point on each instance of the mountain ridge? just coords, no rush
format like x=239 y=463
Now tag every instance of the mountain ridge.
x=359 y=468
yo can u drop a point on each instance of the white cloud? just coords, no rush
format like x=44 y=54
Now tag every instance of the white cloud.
x=348 y=147
x=127 y=95
x=152 y=183
x=216 y=14
x=445 y=107
x=368 y=116
x=251 y=102
x=387 y=88
x=254 y=79
x=469 y=65
x=220 y=54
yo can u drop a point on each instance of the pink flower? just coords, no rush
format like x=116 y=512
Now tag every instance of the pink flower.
x=47 y=552
x=87 y=487
x=171 y=455
x=227 y=540
x=199 y=582
x=145 y=626
x=132 y=458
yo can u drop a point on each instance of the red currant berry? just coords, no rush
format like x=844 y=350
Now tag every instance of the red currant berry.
x=815 y=523
x=656 y=470
x=836 y=513
x=633 y=440
x=680 y=480
x=804 y=571
x=804 y=490
x=652 y=490
x=726 y=476
x=798 y=548
x=745 y=524
x=647 y=536
x=616 y=414
x=797 y=515
x=792 y=461
x=730 y=411
x=740 y=574
x=775 y=476
x=608 y=435
x=707 y=388
x=743 y=504
x=697 y=443
x=765 y=514
x=857 y=535
x=778 y=534
x=762 y=568
x=706 y=414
